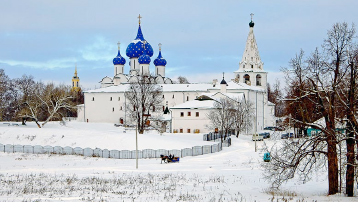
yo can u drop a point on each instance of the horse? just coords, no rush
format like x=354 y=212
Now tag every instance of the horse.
x=164 y=158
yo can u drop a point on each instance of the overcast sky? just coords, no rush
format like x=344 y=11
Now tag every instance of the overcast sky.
x=201 y=39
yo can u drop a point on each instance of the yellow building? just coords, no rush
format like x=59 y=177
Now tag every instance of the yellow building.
x=76 y=82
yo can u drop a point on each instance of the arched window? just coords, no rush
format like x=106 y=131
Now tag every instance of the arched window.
x=187 y=98
x=252 y=66
x=258 y=80
x=237 y=79
x=247 y=79
x=243 y=66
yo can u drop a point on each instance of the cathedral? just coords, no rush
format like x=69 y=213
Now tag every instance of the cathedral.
x=186 y=113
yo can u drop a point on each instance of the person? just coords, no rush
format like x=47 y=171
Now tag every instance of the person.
x=170 y=156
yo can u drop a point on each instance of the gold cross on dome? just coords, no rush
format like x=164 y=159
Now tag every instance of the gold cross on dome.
x=139 y=17
x=118 y=44
x=160 y=46
x=251 y=15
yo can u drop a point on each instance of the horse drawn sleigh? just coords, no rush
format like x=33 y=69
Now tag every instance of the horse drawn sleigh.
x=169 y=159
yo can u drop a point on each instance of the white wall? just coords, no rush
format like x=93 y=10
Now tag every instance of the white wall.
x=190 y=122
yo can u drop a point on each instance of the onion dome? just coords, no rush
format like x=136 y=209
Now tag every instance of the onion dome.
x=223 y=81
x=144 y=58
x=119 y=60
x=251 y=24
x=160 y=61
x=136 y=48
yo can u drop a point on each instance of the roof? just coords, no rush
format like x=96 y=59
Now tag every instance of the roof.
x=199 y=87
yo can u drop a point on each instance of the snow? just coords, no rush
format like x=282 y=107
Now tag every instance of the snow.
x=196 y=104
x=234 y=174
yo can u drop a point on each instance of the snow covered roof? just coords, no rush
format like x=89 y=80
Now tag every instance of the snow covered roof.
x=196 y=104
x=200 y=87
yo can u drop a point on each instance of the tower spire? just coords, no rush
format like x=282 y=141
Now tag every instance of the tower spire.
x=251 y=15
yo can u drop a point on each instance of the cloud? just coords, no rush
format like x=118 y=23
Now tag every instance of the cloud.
x=46 y=65
x=99 y=50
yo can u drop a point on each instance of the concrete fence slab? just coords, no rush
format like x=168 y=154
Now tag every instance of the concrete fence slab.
x=19 y=148
x=186 y=152
x=2 y=148
x=68 y=150
x=114 y=154
x=214 y=148
x=48 y=149
x=58 y=150
x=78 y=151
x=133 y=154
x=125 y=154
x=88 y=152
x=28 y=149
x=9 y=148
x=148 y=153
x=105 y=153
x=97 y=152
x=175 y=152
x=39 y=150
x=197 y=150
x=206 y=149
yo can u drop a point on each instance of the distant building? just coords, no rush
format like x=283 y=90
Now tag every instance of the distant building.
x=107 y=104
x=75 y=82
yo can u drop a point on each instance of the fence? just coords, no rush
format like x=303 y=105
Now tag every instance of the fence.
x=213 y=136
x=116 y=154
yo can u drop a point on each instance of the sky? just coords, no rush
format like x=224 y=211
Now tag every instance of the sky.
x=200 y=39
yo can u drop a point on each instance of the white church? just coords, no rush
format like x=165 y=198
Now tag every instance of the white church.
x=187 y=112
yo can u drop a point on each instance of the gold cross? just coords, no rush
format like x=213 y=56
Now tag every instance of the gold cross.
x=251 y=15
x=118 y=44
x=139 y=17
x=160 y=46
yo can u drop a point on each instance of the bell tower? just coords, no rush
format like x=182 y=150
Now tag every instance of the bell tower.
x=76 y=81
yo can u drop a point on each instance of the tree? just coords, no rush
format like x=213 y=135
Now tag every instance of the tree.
x=314 y=85
x=145 y=99
x=183 y=80
x=45 y=102
x=242 y=116
x=220 y=116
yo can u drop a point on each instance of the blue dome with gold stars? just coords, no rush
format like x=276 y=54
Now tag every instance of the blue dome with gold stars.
x=160 y=61
x=119 y=60
x=136 y=47
x=144 y=59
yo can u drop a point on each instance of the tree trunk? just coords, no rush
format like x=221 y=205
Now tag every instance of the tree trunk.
x=350 y=162
x=332 y=167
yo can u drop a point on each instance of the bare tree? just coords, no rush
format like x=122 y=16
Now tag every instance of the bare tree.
x=183 y=80
x=242 y=114
x=315 y=83
x=144 y=101
x=220 y=116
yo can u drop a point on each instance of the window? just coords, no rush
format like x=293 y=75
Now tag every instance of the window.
x=173 y=96
x=187 y=98
x=258 y=80
x=163 y=96
x=197 y=114
x=252 y=66
x=110 y=98
x=189 y=113
x=188 y=130
x=243 y=66
x=181 y=130
x=112 y=109
x=77 y=84
x=92 y=98
x=181 y=114
x=121 y=108
x=247 y=79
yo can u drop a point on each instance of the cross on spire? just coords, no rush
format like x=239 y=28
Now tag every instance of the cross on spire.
x=139 y=17
x=160 y=46
x=118 y=43
x=223 y=74
x=251 y=15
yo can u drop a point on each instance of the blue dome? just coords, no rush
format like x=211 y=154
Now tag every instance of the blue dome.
x=144 y=59
x=160 y=61
x=135 y=48
x=119 y=60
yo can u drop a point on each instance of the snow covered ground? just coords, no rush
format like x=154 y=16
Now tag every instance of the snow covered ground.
x=234 y=174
